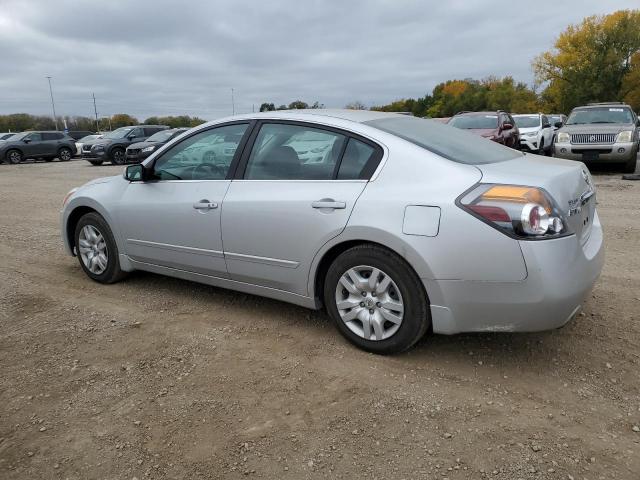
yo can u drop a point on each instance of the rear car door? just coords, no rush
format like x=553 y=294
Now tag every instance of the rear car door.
x=50 y=142
x=294 y=191
x=173 y=220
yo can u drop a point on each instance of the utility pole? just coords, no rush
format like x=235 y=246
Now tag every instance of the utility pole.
x=233 y=104
x=95 y=110
x=53 y=105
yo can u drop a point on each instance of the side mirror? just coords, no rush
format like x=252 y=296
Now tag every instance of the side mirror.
x=638 y=122
x=26 y=140
x=134 y=173
x=131 y=136
x=558 y=124
x=507 y=126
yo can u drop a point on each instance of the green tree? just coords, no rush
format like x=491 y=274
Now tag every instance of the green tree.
x=631 y=84
x=589 y=61
x=122 y=120
x=267 y=107
x=298 y=105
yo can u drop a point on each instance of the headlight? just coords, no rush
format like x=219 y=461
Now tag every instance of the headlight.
x=149 y=149
x=624 y=137
x=563 y=137
x=68 y=196
x=518 y=211
x=531 y=134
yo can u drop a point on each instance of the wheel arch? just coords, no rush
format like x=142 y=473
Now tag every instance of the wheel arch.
x=340 y=244
x=72 y=221
x=6 y=154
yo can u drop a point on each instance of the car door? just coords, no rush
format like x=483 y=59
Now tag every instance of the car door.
x=173 y=219
x=51 y=141
x=33 y=145
x=547 y=130
x=294 y=191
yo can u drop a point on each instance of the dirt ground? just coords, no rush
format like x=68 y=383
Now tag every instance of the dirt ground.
x=161 y=378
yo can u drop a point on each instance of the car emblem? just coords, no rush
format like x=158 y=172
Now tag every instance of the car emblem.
x=585 y=175
x=592 y=138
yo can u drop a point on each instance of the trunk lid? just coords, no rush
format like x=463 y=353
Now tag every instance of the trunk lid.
x=568 y=182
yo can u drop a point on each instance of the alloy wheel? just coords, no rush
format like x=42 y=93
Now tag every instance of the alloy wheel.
x=369 y=303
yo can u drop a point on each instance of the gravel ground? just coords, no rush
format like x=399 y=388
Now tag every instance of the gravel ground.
x=161 y=378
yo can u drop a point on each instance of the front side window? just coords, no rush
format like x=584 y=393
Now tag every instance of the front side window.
x=207 y=155
x=294 y=152
x=34 y=137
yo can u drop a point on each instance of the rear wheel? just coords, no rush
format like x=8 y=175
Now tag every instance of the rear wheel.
x=64 y=154
x=376 y=299
x=97 y=250
x=117 y=156
x=14 y=156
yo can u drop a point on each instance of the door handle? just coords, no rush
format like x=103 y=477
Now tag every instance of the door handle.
x=205 y=205
x=329 y=204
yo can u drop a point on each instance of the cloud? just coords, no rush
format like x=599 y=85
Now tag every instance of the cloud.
x=153 y=57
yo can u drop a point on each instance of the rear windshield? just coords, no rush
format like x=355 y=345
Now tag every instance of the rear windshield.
x=600 y=115
x=475 y=121
x=450 y=143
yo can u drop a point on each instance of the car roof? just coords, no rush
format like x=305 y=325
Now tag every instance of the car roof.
x=604 y=104
x=494 y=112
x=358 y=116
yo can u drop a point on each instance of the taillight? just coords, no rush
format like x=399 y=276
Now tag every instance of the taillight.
x=518 y=211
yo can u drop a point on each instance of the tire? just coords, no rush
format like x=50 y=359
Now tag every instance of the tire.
x=118 y=156
x=14 y=157
x=541 y=150
x=48 y=159
x=94 y=239
x=65 y=154
x=95 y=163
x=404 y=292
x=630 y=165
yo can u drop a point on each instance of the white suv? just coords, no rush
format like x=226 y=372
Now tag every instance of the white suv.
x=536 y=133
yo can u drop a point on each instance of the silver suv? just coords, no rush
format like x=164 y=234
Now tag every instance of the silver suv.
x=600 y=132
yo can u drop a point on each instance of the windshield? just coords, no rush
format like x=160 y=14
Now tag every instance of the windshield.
x=119 y=133
x=161 y=136
x=600 y=115
x=450 y=143
x=555 y=119
x=18 y=136
x=474 y=121
x=527 y=121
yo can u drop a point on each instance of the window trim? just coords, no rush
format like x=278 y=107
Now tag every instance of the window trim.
x=367 y=172
x=150 y=166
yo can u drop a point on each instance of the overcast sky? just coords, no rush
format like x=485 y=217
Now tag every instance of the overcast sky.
x=156 y=57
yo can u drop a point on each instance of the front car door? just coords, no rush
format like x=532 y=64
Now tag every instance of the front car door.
x=173 y=220
x=547 y=131
x=33 y=145
x=294 y=191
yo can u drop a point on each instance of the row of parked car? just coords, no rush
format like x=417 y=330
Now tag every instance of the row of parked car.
x=595 y=132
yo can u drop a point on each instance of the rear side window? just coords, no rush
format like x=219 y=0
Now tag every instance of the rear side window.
x=52 y=136
x=451 y=143
x=357 y=157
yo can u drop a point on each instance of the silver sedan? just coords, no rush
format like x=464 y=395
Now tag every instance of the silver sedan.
x=395 y=225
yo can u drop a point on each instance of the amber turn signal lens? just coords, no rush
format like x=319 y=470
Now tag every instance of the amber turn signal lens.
x=515 y=194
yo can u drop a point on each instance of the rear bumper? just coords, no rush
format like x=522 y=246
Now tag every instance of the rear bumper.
x=617 y=152
x=560 y=275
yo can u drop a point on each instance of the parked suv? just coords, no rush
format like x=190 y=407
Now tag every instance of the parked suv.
x=44 y=145
x=600 y=131
x=497 y=126
x=112 y=146
x=136 y=152
x=536 y=133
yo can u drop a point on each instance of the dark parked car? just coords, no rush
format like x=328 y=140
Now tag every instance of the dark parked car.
x=497 y=126
x=44 y=145
x=6 y=135
x=112 y=146
x=78 y=134
x=137 y=152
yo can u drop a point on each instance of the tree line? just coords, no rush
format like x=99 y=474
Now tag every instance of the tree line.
x=18 y=122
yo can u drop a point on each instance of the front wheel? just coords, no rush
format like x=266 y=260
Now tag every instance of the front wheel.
x=95 y=163
x=376 y=299
x=14 y=157
x=97 y=250
x=630 y=165
x=64 y=154
x=118 y=156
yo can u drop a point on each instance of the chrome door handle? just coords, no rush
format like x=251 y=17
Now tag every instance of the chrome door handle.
x=329 y=204
x=204 y=205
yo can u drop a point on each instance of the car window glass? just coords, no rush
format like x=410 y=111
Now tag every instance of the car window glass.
x=204 y=156
x=49 y=136
x=356 y=157
x=137 y=132
x=294 y=152
x=34 y=137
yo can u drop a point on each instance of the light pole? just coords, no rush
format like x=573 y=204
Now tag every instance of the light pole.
x=53 y=105
x=233 y=103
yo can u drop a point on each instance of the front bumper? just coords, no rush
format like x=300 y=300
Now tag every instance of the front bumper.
x=560 y=275
x=137 y=157
x=92 y=155
x=617 y=152
x=529 y=143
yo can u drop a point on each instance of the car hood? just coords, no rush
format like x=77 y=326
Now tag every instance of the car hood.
x=97 y=181
x=528 y=129
x=142 y=145
x=99 y=141
x=598 y=128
